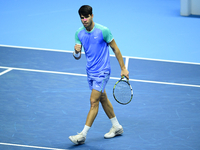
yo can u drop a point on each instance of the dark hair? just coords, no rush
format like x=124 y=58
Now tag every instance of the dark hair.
x=85 y=10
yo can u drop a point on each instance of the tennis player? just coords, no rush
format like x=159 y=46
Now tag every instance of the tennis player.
x=96 y=39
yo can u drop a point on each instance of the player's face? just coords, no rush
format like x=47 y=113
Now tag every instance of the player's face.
x=87 y=21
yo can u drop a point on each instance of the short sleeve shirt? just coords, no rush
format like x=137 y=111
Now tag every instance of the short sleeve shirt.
x=96 y=47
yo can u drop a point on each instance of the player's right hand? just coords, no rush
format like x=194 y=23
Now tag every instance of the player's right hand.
x=77 y=48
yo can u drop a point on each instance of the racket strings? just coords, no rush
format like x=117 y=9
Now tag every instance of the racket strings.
x=122 y=92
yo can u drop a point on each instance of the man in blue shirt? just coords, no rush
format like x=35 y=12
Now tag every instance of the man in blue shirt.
x=95 y=40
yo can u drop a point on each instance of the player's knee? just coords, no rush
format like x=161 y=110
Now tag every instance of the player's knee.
x=94 y=103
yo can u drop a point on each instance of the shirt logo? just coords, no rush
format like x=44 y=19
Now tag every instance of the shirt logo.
x=95 y=37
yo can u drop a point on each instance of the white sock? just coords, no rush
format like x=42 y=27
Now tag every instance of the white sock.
x=114 y=121
x=85 y=130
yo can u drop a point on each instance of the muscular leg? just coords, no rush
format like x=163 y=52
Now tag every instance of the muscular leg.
x=107 y=106
x=116 y=129
x=94 y=107
x=94 y=102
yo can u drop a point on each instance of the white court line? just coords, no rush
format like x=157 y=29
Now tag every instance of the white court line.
x=67 y=51
x=40 y=49
x=126 y=62
x=167 y=83
x=84 y=75
x=158 y=82
x=9 y=69
x=44 y=71
x=162 y=60
x=28 y=146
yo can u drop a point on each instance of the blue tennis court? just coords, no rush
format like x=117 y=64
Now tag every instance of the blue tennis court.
x=44 y=100
x=44 y=94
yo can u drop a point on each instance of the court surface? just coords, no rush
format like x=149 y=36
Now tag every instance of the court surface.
x=141 y=28
x=44 y=98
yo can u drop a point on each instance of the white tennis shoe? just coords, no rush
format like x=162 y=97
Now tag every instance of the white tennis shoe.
x=114 y=131
x=78 y=139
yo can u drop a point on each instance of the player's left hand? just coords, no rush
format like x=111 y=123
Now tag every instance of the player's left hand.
x=125 y=72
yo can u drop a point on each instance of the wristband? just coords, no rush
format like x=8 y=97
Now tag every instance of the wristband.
x=76 y=55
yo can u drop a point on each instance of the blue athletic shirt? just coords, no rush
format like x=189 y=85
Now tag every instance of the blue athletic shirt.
x=96 y=47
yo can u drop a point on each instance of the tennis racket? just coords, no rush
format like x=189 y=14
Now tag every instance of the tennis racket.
x=122 y=91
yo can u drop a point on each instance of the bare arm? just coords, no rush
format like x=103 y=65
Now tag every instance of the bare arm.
x=124 y=71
